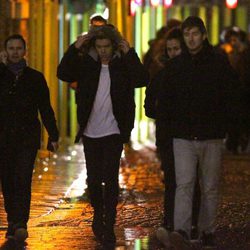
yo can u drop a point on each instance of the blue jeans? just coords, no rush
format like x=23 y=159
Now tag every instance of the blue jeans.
x=207 y=154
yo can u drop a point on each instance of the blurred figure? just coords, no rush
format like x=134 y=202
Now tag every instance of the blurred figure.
x=152 y=59
x=174 y=45
x=23 y=93
x=107 y=75
x=237 y=138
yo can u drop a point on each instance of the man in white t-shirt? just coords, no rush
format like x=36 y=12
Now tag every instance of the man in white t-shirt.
x=107 y=74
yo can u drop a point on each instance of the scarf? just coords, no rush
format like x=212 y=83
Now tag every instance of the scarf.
x=17 y=68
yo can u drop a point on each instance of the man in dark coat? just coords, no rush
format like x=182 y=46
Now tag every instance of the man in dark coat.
x=198 y=100
x=23 y=92
x=107 y=75
x=174 y=46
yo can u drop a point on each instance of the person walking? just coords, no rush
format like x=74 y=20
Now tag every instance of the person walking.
x=197 y=101
x=107 y=75
x=23 y=93
x=174 y=46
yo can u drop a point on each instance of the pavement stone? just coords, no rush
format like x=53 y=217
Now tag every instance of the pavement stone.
x=61 y=217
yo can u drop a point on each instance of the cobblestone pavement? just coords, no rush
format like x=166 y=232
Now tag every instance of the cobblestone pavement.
x=61 y=217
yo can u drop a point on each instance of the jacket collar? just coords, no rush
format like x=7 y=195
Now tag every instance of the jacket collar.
x=92 y=53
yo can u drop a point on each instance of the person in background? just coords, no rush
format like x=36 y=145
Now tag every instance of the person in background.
x=237 y=139
x=174 y=46
x=198 y=99
x=97 y=20
x=153 y=57
x=107 y=75
x=23 y=93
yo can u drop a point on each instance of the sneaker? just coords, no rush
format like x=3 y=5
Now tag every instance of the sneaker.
x=21 y=234
x=208 y=241
x=179 y=240
x=162 y=234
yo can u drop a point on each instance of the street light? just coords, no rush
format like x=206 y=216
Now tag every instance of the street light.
x=231 y=4
x=155 y=3
x=168 y=3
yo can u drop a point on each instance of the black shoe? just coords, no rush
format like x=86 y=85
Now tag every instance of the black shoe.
x=179 y=240
x=194 y=233
x=98 y=227
x=109 y=237
x=162 y=235
x=208 y=241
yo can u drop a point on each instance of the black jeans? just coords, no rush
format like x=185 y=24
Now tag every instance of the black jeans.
x=103 y=161
x=17 y=165
x=167 y=165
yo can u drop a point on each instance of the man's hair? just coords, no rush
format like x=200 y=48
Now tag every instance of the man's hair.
x=98 y=18
x=194 y=21
x=14 y=37
x=105 y=32
x=173 y=23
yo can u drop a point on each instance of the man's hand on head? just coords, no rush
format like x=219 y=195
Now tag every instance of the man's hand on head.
x=82 y=40
x=124 y=46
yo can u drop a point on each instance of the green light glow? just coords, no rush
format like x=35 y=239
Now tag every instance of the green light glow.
x=241 y=17
x=73 y=119
x=137 y=244
x=159 y=17
x=215 y=24
x=146 y=29
x=177 y=12
x=202 y=14
x=186 y=12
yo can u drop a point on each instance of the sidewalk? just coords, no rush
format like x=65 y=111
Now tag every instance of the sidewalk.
x=61 y=218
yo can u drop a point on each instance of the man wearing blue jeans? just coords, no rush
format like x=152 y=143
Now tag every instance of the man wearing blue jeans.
x=198 y=99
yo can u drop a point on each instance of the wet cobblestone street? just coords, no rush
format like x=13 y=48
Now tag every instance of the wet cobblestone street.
x=61 y=217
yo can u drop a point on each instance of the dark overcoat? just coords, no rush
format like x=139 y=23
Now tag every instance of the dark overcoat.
x=22 y=98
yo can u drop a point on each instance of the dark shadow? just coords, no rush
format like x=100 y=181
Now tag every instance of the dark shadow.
x=13 y=245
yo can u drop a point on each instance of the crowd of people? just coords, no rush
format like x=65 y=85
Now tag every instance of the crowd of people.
x=197 y=93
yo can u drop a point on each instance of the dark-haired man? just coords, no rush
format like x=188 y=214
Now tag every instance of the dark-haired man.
x=23 y=93
x=106 y=74
x=174 y=46
x=197 y=100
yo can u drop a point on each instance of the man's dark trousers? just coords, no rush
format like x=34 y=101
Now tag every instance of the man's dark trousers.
x=17 y=164
x=103 y=160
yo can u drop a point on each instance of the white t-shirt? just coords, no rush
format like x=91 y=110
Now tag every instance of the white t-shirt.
x=102 y=121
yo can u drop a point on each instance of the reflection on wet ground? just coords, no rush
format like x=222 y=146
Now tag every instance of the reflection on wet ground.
x=61 y=216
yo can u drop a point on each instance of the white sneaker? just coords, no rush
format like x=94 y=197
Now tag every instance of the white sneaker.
x=162 y=235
